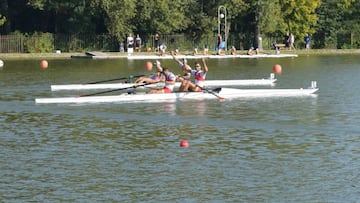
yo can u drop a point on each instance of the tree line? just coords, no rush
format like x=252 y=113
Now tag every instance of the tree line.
x=330 y=23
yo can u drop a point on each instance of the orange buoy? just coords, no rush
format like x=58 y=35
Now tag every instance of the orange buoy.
x=277 y=69
x=148 y=66
x=44 y=64
x=184 y=144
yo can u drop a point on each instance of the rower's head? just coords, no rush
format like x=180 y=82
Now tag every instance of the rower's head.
x=197 y=66
x=165 y=71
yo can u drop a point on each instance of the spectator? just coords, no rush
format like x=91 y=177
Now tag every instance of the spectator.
x=291 y=41
x=276 y=48
x=177 y=51
x=130 y=44
x=130 y=41
x=233 y=50
x=156 y=42
x=162 y=49
x=196 y=50
x=137 y=43
x=221 y=48
x=252 y=51
x=206 y=50
x=307 y=41
x=218 y=42
x=287 y=40
x=121 y=47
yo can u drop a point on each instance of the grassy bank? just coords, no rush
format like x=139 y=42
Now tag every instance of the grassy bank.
x=9 y=56
x=323 y=51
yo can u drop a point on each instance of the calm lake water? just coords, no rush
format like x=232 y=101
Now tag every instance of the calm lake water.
x=303 y=149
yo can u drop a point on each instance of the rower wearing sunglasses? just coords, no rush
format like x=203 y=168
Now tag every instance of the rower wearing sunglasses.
x=199 y=77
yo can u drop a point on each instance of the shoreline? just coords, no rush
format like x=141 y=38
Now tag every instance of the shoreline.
x=118 y=55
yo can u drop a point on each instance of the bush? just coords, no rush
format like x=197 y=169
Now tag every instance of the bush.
x=39 y=43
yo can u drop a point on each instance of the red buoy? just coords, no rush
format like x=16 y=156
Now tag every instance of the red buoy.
x=148 y=66
x=44 y=64
x=277 y=69
x=184 y=144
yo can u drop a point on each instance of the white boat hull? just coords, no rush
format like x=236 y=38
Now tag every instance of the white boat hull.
x=155 y=57
x=226 y=93
x=207 y=83
x=135 y=56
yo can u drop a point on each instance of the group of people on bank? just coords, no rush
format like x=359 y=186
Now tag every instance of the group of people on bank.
x=169 y=78
x=136 y=43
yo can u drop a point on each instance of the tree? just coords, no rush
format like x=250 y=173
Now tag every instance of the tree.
x=350 y=24
x=162 y=16
x=66 y=16
x=268 y=19
x=117 y=15
x=2 y=19
x=299 y=16
x=4 y=16
x=330 y=20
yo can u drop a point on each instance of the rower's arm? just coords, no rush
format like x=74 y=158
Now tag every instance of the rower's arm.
x=187 y=75
x=174 y=57
x=171 y=82
x=158 y=66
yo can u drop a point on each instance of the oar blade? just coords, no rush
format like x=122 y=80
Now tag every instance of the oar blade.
x=213 y=92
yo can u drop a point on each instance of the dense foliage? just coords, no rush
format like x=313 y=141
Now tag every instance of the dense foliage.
x=331 y=23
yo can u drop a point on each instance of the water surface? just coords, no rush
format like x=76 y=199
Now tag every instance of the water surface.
x=303 y=149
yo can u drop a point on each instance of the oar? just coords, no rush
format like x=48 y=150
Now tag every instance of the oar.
x=208 y=91
x=212 y=92
x=123 y=78
x=113 y=90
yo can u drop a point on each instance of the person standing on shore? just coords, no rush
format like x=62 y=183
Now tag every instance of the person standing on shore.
x=307 y=41
x=130 y=44
x=137 y=43
x=292 y=41
x=156 y=42
x=121 y=46
x=130 y=41
x=287 y=40
x=218 y=41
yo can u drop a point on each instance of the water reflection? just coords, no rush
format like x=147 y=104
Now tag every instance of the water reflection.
x=170 y=108
x=183 y=108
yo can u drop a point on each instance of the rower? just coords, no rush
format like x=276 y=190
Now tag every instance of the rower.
x=169 y=83
x=185 y=68
x=199 y=75
x=153 y=78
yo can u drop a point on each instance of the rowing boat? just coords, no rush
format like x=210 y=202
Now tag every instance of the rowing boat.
x=208 y=83
x=100 y=55
x=225 y=93
x=157 y=57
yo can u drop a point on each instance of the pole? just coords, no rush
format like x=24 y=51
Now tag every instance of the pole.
x=222 y=15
